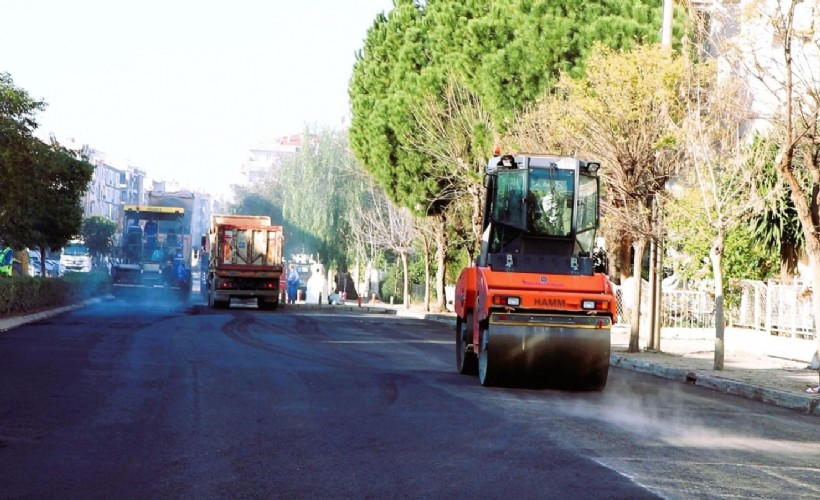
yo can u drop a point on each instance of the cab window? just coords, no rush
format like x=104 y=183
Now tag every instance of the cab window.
x=509 y=205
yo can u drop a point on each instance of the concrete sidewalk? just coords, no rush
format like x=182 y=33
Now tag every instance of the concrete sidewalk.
x=757 y=365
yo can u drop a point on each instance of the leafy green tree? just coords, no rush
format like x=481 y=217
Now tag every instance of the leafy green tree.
x=502 y=53
x=747 y=257
x=311 y=196
x=265 y=198
x=508 y=52
x=624 y=113
x=17 y=124
x=98 y=233
x=43 y=183
x=456 y=132
x=788 y=73
x=50 y=212
x=689 y=238
x=776 y=224
x=720 y=168
x=384 y=80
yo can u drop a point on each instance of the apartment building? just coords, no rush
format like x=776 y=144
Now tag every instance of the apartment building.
x=746 y=37
x=265 y=158
x=113 y=184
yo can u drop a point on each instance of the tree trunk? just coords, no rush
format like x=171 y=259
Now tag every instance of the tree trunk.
x=441 y=263
x=716 y=255
x=639 y=245
x=788 y=262
x=814 y=259
x=43 y=271
x=405 y=270
x=368 y=273
x=808 y=213
x=22 y=257
x=426 y=245
x=624 y=267
x=477 y=222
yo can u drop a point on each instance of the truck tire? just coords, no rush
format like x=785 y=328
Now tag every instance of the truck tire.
x=267 y=306
x=217 y=304
x=466 y=359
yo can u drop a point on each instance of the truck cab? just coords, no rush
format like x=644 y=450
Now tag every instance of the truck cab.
x=76 y=257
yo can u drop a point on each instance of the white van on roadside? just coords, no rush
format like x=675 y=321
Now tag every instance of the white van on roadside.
x=34 y=263
x=76 y=257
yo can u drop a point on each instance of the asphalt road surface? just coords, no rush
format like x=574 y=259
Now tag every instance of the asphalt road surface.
x=146 y=400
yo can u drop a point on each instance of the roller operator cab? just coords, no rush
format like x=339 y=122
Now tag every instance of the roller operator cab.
x=535 y=310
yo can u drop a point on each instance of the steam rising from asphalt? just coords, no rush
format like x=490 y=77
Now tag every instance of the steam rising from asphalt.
x=151 y=299
x=633 y=412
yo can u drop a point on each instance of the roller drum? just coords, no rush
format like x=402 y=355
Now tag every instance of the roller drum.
x=567 y=352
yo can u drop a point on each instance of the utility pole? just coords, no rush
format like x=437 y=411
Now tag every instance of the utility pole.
x=666 y=30
x=656 y=262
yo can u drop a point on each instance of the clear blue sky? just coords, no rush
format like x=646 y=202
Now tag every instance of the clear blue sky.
x=181 y=88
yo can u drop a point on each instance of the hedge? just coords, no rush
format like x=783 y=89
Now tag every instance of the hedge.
x=24 y=294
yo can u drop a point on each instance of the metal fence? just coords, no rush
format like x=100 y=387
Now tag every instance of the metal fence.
x=776 y=307
x=679 y=308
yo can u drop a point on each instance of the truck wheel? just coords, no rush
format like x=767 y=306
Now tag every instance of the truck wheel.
x=217 y=304
x=466 y=359
x=266 y=306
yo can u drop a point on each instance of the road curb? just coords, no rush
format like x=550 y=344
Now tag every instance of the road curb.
x=339 y=307
x=12 y=322
x=807 y=404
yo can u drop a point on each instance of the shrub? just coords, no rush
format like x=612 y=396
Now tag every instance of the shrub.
x=24 y=294
x=393 y=285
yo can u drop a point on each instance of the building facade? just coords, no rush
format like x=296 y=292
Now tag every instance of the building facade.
x=111 y=187
x=747 y=39
x=265 y=159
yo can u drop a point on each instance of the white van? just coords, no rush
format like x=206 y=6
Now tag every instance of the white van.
x=34 y=264
x=76 y=257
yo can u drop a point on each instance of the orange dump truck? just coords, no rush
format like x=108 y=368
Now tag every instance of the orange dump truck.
x=534 y=309
x=244 y=256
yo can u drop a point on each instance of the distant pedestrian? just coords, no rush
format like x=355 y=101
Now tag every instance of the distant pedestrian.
x=293 y=284
x=6 y=259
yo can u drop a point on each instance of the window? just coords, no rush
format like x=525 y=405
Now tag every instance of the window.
x=587 y=211
x=549 y=201
x=509 y=205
